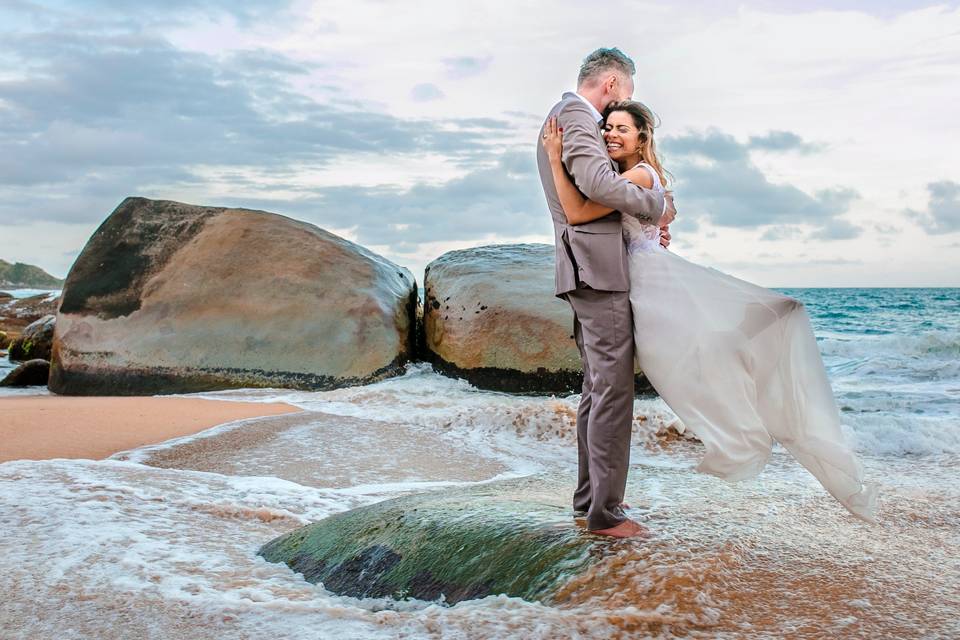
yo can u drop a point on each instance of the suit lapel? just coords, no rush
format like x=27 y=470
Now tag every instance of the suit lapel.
x=613 y=165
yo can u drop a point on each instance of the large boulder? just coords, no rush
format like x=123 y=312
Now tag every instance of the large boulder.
x=28 y=374
x=513 y=537
x=490 y=316
x=36 y=341
x=170 y=298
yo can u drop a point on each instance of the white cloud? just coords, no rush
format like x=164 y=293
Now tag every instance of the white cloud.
x=466 y=66
x=425 y=92
x=943 y=210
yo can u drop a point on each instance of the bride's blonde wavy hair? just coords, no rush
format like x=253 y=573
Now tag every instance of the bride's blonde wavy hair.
x=645 y=121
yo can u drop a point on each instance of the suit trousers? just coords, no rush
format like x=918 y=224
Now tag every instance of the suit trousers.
x=603 y=328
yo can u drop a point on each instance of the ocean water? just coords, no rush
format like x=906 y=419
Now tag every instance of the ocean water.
x=160 y=542
x=26 y=293
x=893 y=358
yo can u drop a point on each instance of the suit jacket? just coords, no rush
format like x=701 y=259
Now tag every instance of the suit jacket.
x=592 y=253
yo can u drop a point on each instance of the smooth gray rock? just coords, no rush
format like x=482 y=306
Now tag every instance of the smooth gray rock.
x=28 y=374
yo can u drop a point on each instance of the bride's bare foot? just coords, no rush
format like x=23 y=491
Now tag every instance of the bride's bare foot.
x=626 y=529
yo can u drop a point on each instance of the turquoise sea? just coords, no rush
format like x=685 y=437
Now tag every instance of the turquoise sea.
x=893 y=358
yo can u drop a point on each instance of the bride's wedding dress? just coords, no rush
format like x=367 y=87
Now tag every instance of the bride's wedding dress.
x=740 y=367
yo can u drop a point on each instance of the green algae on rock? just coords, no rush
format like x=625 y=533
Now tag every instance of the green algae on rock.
x=511 y=537
x=35 y=342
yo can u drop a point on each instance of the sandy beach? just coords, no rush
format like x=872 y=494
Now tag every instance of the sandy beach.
x=45 y=427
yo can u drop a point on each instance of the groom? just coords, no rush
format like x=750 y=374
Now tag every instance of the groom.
x=591 y=275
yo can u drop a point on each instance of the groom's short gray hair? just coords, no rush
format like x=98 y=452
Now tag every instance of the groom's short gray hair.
x=605 y=60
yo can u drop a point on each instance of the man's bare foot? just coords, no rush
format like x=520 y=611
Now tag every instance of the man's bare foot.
x=626 y=529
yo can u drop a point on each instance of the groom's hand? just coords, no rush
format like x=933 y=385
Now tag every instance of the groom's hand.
x=665 y=236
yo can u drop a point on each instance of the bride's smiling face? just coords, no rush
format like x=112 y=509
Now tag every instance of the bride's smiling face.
x=621 y=135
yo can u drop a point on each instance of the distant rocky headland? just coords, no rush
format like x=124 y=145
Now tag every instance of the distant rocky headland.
x=168 y=297
x=26 y=276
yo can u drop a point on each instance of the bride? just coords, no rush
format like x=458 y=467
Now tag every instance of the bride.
x=737 y=363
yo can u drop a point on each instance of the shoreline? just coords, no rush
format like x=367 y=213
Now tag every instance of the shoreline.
x=44 y=427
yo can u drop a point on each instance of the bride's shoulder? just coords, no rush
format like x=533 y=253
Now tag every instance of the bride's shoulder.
x=640 y=175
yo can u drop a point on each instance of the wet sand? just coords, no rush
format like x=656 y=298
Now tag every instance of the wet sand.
x=46 y=427
x=317 y=449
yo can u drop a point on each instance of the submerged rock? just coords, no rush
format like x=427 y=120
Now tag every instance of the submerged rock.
x=512 y=537
x=490 y=316
x=17 y=313
x=36 y=341
x=30 y=308
x=169 y=298
x=28 y=374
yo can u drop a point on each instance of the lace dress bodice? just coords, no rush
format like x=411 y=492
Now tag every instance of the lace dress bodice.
x=640 y=237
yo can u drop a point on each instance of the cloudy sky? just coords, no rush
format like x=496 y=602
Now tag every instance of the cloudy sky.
x=812 y=147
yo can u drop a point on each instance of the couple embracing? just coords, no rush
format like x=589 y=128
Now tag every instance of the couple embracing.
x=737 y=363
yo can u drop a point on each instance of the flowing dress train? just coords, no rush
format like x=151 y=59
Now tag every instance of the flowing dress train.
x=740 y=367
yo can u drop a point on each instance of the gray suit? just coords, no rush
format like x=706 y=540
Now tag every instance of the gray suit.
x=591 y=274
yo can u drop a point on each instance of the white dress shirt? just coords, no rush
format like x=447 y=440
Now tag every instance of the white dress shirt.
x=596 y=114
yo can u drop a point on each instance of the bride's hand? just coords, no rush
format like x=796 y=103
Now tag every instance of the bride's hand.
x=665 y=236
x=670 y=212
x=552 y=139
